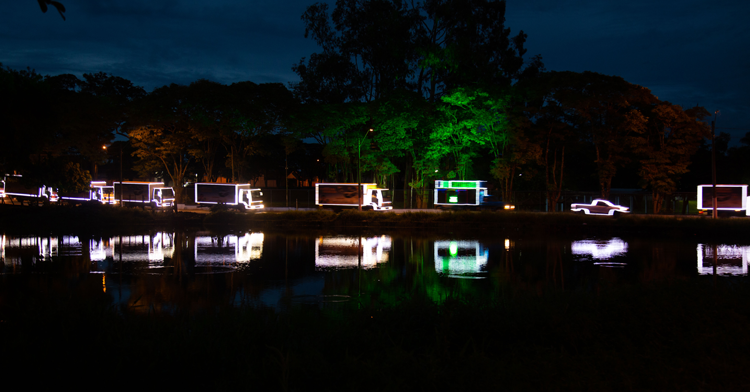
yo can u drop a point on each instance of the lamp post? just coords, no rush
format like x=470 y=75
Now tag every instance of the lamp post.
x=359 y=171
x=104 y=148
x=715 y=213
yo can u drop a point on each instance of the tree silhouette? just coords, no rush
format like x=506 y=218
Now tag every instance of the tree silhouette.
x=60 y=8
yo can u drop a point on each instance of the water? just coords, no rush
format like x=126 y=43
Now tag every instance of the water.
x=160 y=271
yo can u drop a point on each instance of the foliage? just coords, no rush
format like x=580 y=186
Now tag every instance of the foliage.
x=666 y=145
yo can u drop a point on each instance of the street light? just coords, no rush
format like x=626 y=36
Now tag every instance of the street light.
x=359 y=171
x=105 y=147
x=714 y=213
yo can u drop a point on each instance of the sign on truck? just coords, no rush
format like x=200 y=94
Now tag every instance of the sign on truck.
x=347 y=195
x=154 y=194
x=239 y=195
x=729 y=198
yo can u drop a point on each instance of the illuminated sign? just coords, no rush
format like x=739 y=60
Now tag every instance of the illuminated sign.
x=459 y=193
x=461 y=259
x=477 y=184
x=728 y=197
x=343 y=252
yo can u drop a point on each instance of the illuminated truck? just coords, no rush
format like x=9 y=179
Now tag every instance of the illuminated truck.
x=730 y=199
x=242 y=196
x=467 y=194
x=98 y=191
x=154 y=194
x=337 y=196
x=16 y=189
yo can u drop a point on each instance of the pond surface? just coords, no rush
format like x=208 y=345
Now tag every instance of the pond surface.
x=161 y=271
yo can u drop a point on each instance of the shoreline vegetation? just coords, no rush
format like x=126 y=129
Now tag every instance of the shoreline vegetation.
x=96 y=217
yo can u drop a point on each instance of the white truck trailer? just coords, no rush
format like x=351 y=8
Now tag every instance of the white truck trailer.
x=98 y=191
x=154 y=194
x=241 y=196
x=344 y=195
x=468 y=194
x=730 y=199
x=14 y=188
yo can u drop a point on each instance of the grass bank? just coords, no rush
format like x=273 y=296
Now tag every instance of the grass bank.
x=684 y=335
x=98 y=217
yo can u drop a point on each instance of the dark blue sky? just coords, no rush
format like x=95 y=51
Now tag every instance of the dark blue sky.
x=686 y=51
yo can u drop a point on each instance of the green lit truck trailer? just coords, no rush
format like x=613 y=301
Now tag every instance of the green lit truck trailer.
x=466 y=194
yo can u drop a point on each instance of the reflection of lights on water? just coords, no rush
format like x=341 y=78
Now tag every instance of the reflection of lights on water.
x=454 y=248
x=599 y=250
x=460 y=259
x=611 y=265
x=71 y=246
x=100 y=250
x=145 y=247
x=730 y=259
x=342 y=252
x=229 y=249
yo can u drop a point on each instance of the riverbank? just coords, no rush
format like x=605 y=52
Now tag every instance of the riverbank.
x=99 y=217
x=682 y=335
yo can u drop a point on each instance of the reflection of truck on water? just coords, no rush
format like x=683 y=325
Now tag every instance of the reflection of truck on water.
x=347 y=195
x=345 y=252
x=98 y=191
x=238 y=195
x=16 y=189
x=154 y=194
x=730 y=199
x=467 y=194
x=461 y=259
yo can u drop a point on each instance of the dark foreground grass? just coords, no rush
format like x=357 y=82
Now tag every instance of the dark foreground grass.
x=682 y=336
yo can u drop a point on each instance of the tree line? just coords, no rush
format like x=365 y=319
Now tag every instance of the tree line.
x=403 y=92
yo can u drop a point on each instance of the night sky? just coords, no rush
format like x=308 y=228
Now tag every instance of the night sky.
x=687 y=52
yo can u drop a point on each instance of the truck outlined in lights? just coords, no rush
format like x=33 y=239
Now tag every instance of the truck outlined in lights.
x=15 y=189
x=98 y=191
x=345 y=195
x=154 y=194
x=241 y=196
x=730 y=199
x=467 y=194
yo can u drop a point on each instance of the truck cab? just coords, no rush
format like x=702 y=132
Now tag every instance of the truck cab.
x=163 y=197
x=378 y=199
x=252 y=199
